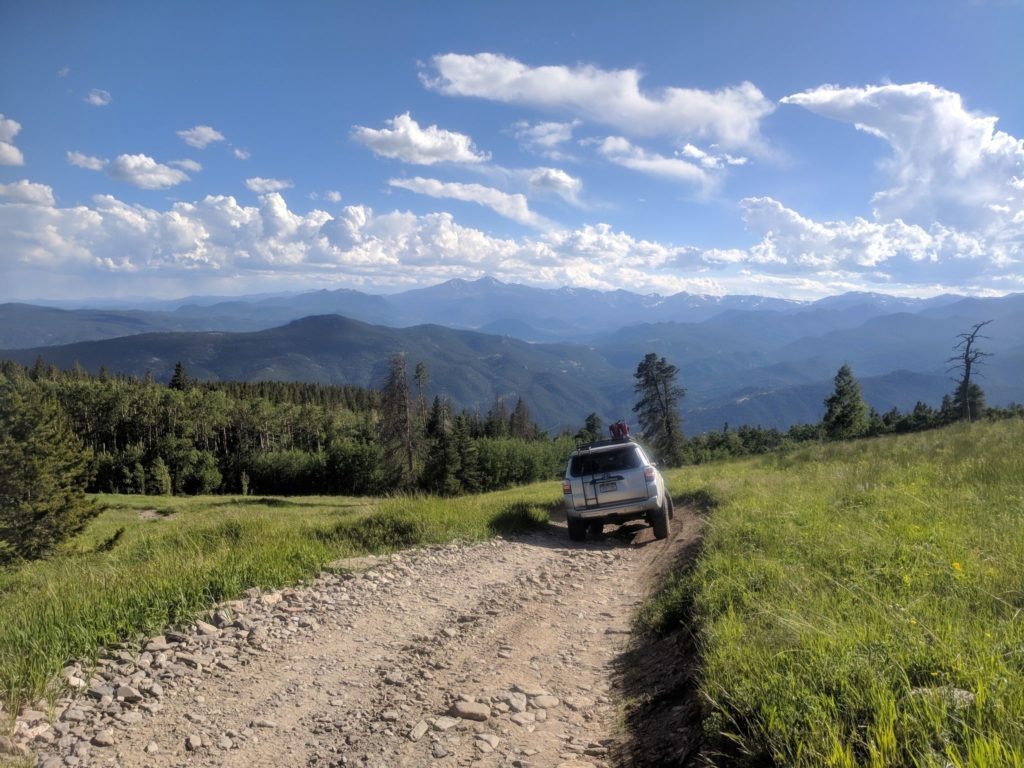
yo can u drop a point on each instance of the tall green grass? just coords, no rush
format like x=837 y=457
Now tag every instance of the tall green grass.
x=862 y=604
x=126 y=576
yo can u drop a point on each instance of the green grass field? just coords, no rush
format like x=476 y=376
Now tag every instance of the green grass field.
x=130 y=574
x=861 y=604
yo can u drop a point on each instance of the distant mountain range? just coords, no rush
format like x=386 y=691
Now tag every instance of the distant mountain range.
x=486 y=305
x=567 y=352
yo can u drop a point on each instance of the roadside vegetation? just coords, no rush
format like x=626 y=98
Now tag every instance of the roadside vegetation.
x=284 y=438
x=860 y=603
x=149 y=562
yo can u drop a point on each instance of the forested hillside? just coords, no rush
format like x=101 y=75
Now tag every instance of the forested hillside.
x=289 y=438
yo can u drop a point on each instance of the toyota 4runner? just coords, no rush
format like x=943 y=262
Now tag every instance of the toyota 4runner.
x=612 y=481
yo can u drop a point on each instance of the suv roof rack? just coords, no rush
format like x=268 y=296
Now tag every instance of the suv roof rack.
x=603 y=443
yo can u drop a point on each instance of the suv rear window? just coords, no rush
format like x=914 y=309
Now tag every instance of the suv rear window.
x=606 y=461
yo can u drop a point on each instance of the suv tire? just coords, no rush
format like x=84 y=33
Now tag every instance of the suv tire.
x=658 y=519
x=577 y=529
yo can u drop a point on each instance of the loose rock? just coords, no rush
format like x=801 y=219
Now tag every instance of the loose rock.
x=104 y=738
x=418 y=730
x=471 y=710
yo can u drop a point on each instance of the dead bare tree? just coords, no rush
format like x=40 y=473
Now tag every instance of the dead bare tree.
x=967 y=357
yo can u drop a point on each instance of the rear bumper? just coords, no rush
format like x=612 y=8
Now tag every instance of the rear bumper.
x=612 y=513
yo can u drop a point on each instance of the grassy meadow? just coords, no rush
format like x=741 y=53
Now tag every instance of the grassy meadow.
x=152 y=561
x=862 y=603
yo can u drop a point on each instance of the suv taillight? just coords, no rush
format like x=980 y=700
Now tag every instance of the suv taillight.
x=566 y=487
x=649 y=474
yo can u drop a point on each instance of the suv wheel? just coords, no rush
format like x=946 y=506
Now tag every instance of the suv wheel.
x=658 y=519
x=577 y=529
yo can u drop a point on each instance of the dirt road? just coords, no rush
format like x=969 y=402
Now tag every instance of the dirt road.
x=496 y=654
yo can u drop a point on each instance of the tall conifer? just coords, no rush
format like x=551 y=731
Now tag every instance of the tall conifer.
x=658 y=407
x=45 y=470
x=846 y=413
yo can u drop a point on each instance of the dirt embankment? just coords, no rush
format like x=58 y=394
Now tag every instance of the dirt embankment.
x=516 y=652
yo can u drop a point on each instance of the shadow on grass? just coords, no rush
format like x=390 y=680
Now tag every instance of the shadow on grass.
x=659 y=673
x=700 y=500
x=522 y=517
x=377 y=533
x=279 y=503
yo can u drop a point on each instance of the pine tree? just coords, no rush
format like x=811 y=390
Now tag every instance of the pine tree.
x=658 y=407
x=846 y=413
x=969 y=400
x=180 y=380
x=497 y=419
x=38 y=372
x=45 y=472
x=519 y=425
x=593 y=429
x=468 y=472
x=440 y=471
x=421 y=377
x=397 y=434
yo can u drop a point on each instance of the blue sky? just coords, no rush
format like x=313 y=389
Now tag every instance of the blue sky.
x=793 y=149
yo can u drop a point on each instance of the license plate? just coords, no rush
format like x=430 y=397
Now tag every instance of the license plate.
x=606 y=487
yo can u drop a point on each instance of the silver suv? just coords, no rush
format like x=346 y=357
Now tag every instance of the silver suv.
x=612 y=481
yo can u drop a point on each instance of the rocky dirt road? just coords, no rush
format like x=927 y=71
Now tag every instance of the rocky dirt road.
x=497 y=654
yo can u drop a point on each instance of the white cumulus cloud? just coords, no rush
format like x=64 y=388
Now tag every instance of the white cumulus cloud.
x=730 y=116
x=948 y=164
x=89 y=162
x=558 y=181
x=9 y=154
x=260 y=185
x=333 y=196
x=27 y=192
x=891 y=252
x=511 y=206
x=201 y=136
x=187 y=165
x=405 y=140
x=711 y=160
x=241 y=154
x=144 y=172
x=546 y=138
x=216 y=238
x=621 y=151
x=98 y=97
x=953 y=206
x=8 y=128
